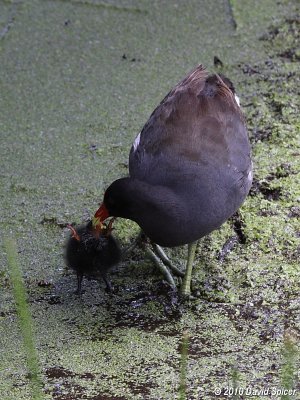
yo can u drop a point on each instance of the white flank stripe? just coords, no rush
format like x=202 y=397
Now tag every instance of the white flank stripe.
x=136 y=142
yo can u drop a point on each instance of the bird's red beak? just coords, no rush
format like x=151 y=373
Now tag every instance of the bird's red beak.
x=100 y=216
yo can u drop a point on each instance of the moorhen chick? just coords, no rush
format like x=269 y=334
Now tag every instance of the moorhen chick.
x=190 y=166
x=91 y=254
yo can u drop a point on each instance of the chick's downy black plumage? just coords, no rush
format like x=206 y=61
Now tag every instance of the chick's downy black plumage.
x=91 y=255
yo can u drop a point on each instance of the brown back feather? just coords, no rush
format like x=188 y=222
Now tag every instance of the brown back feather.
x=194 y=80
x=223 y=90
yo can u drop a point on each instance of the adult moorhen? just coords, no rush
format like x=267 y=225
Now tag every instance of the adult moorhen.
x=190 y=166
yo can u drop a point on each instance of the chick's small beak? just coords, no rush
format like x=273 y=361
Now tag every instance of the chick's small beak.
x=100 y=216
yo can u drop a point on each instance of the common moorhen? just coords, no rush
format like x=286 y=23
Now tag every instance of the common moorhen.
x=91 y=254
x=190 y=166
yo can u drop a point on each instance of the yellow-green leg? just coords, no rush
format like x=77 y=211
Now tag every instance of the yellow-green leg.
x=163 y=269
x=186 y=284
x=164 y=258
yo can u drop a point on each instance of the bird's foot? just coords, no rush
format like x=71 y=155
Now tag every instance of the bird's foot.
x=186 y=298
x=110 y=289
x=79 y=293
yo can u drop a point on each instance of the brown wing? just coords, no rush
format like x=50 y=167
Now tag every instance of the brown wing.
x=193 y=124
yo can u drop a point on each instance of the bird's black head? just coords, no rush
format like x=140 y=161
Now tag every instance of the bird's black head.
x=116 y=198
x=115 y=203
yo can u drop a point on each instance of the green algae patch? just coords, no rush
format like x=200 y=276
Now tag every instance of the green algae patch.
x=289 y=370
x=250 y=16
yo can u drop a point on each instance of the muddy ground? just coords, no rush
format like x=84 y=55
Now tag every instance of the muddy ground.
x=78 y=81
